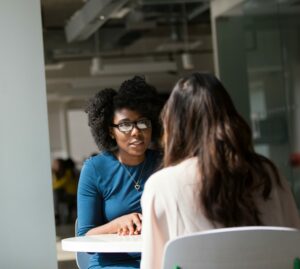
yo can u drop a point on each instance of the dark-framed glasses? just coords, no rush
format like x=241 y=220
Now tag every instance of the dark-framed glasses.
x=127 y=126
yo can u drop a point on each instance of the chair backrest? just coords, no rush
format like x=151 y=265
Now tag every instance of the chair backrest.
x=82 y=258
x=235 y=248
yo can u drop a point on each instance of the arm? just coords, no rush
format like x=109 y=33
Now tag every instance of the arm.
x=89 y=200
x=155 y=229
x=90 y=215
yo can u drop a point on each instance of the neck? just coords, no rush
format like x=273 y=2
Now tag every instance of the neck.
x=127 y=159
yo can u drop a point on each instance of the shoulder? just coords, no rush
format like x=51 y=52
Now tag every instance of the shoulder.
x=170 y=185
x=172 y=177
x=101 y=160
x=95 y=169
x=99 y=163
x=268 y=166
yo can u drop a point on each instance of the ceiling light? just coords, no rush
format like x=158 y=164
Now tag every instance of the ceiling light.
x=120 y=14
x=187 y=61
x=56 y=66
x=131 y=68
x=96 y=65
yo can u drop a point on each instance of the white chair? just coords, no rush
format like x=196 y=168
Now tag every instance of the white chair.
x=82 y=258
x=254 y=247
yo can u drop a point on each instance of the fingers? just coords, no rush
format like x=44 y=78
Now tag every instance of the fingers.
x=123 y=231
x=131 y=228
x=137 y=221
x=132 y=225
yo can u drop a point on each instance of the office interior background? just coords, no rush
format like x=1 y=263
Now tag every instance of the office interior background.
x=253 y=46
x=258 y=61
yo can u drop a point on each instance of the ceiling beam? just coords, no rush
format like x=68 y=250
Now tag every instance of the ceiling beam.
x=88 y=19
x=197 y=11
x=172 y=2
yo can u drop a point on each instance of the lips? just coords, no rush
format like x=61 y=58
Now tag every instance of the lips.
x=136 y=143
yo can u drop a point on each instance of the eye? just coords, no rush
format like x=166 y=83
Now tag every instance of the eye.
x=125 y=124
x=143 y=124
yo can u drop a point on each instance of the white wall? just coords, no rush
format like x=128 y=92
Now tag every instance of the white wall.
x=82 y=144
x=27 y=231
x=59 y=143
x=70 y=135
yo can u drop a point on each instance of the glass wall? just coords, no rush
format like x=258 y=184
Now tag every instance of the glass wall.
x=259 y=57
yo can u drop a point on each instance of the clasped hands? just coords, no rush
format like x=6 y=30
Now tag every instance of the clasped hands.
x=130 y=224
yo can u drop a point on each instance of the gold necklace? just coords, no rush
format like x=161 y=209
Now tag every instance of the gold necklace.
x=137 y=184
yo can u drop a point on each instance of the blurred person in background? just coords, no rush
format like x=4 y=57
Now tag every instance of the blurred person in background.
x=71 y=189
x=59 y=178
x=64 y=183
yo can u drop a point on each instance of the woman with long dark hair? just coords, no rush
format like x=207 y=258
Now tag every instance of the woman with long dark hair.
x=212 y=177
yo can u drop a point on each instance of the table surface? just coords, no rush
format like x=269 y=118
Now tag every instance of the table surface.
x=103 y=243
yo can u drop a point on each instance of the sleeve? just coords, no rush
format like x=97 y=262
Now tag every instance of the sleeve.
x=288 y=206
x=89 y=200
x=155 y=229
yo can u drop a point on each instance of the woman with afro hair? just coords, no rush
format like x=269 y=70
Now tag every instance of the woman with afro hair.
x=123 y=124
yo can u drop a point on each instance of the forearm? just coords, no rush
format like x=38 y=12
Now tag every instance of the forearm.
x=108 y=228
x=125 y=225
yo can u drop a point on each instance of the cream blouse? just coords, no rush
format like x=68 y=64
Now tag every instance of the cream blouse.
x=171 y=208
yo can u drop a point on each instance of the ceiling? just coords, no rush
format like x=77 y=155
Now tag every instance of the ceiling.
x=129 y=37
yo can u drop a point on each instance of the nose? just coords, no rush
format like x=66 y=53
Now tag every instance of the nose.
x=135 y=131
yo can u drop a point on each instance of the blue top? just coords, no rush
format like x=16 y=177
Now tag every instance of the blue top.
x=106 y=192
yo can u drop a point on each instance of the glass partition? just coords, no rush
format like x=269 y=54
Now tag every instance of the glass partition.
x=259 y=57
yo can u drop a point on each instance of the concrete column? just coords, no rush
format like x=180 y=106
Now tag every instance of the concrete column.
x=229 y=51
x=218 y=7
x=27 y=230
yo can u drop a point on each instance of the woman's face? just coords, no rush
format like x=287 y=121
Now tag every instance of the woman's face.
x=135 y=142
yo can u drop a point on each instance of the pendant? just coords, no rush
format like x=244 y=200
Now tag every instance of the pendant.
x=137 y=186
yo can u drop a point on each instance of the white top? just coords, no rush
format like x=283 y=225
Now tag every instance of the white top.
x=103 y=243
x=170 y=204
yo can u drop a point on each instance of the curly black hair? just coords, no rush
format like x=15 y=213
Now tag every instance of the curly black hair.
x=135 y=94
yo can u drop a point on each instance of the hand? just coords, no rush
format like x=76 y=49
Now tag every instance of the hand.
x=130 y=224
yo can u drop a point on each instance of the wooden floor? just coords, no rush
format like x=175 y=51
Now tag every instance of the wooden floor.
x=67 y=265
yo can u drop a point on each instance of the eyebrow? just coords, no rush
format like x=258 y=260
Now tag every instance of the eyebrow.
x=128 y=120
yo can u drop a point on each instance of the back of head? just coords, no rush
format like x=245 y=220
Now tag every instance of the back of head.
x=70 y=166
x=200 y=113
x=201 y=121
x=59 y=167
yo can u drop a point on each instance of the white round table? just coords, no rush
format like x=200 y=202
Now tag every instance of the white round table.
x=103 y=243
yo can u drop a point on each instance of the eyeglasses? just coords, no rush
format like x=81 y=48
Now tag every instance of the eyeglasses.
x=127 y=126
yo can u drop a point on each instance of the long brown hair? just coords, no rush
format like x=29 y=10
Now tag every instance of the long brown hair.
x=201 y=121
